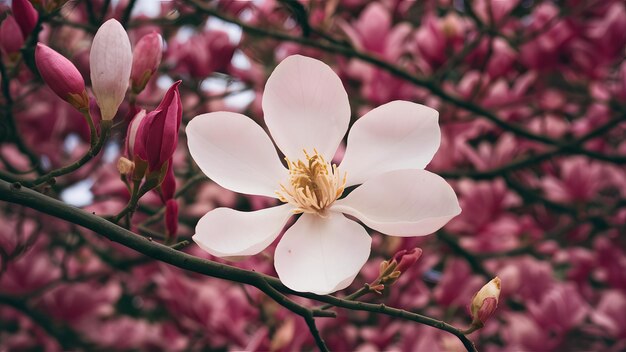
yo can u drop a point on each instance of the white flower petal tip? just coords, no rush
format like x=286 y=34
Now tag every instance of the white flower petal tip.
x=110 y=61
x=228 y=233
x=235 y=152
x=402 y=203
x=321 y=255
x=394 y=136
x=306 y=107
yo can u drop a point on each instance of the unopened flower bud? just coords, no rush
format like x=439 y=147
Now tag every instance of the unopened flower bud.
x=485 y=302
x=406 y=258
x=11 y=38
x=110 y=61
x=25 y=15
x=157 y=136
x=146 y=59
x=61 y=76
x=125 y=166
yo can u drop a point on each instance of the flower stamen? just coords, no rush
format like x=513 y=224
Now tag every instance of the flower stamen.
x=313 y=184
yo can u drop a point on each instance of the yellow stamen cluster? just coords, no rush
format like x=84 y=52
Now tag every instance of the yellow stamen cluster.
x=313 y=184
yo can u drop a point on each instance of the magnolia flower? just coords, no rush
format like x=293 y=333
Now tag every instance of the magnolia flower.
x=307 y=112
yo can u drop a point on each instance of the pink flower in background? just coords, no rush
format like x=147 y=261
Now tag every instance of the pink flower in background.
x=560 y=309
x=609 y=313
x=307 y=112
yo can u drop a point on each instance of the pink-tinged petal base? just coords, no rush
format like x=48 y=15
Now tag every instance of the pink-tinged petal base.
x=224 y=232
x=402 y=203
x=306 y=107
x=235 y=152
x=321 y=255
x=397 y=135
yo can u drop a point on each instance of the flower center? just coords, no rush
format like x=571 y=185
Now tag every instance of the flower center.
x=313 y=184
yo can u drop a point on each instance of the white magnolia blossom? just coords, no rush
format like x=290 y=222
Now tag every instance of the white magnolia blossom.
x=307 y=112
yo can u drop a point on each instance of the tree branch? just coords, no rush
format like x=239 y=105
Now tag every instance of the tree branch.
x=17 y=194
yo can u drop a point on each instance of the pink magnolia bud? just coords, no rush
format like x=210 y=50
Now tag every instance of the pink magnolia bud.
x=485 y=302
x=158 y=132
x=146 y=59
x=110 y=61
x=61 y=76
x=406 y=259
x=171 y=218
x=11 y=38
x=25 y=15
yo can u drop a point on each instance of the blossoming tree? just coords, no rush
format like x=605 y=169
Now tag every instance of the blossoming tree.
x=312 y=175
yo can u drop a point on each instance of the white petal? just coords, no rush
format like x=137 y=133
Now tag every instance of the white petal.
x=397 y=135
x=235 y=152
x=110 y=60
x=321 y=255
x=305 y=107
x=224 y=232
x=402 y=203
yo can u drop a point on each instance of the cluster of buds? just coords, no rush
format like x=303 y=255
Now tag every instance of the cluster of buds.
x=152 y=137
x=151 y=140
x=484 y=304
x=391 y=270
x=110 y=62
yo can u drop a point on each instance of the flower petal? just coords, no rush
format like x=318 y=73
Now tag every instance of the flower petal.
x=397 y=135
x=306 y=107
x=224 y=232
x=321 y=255
x=235 y=152
x=402 y=203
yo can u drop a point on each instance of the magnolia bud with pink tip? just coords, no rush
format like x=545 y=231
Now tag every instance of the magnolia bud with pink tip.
x=485 y=302
x=158 y=134
x=61 y=76
x=406 y=258
x=11 y=38
x=25 y=15
x=110 y=62
x=146 y=59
